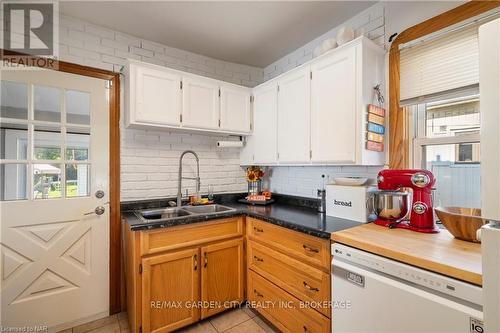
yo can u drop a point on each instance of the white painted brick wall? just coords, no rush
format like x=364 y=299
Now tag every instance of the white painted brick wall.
x=306 y=180
x=149 y=159
x=371 y=23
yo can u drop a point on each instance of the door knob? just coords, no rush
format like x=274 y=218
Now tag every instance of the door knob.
x=99 y=210
x=99 y=194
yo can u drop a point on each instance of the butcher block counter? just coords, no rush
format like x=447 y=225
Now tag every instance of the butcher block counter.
x=440 y=253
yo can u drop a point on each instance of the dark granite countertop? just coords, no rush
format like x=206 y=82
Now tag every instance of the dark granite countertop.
x=297 y=214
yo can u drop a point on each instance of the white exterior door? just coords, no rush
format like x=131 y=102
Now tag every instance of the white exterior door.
x=294 y=105
x=200 y=103
x=54 y=244
x=333 y=108
x=158 y=96
x=265 y=124
x=235 y=109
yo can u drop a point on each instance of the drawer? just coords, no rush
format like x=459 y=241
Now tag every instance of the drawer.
x=303 y=281
x=305 y=248
x=165 y=239
x=279 y=306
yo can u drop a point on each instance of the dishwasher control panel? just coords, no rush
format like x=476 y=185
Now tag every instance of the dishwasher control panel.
x=415 y=275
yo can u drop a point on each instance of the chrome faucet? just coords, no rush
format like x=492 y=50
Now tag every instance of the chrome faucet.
x=197 y=178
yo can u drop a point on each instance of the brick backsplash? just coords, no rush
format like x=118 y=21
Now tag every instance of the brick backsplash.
x=304 y=181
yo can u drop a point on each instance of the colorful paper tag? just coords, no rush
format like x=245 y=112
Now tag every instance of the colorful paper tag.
x=376 y=128
x=374 y=146
x=376 y=110
x=374 y=137
x=376 y=119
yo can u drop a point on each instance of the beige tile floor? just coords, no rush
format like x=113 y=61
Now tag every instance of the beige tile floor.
x=241 y=320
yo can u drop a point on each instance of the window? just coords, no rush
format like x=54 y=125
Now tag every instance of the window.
x=446 y=137
x=44 y=142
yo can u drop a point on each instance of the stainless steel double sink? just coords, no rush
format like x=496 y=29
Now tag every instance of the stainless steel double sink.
x=166 y=214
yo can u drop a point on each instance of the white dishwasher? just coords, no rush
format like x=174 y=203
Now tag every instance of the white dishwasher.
x=371 y=293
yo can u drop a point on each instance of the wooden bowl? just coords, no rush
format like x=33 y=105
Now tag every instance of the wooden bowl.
x=461 y=222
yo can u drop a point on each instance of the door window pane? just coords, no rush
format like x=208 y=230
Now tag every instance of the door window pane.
x=47 y=143
x=77 y=144
x=77 y=180
x=458 y=174
x=47 y=104
x=47 y=181
x=452 y=118
x=13 y=141
x=13 y=185
x=14 y=100
x=77 y=107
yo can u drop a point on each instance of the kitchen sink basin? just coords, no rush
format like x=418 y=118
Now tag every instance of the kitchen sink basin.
x=162 y=213
x=151 y=215
x=207 y=209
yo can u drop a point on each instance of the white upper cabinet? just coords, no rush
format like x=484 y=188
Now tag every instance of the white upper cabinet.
x=333 y=108
x=265 y=124
x=294 y=116
x=235 y=108
x=322 y=110
x=158 y=96
x=161 y=97
x=200 y=103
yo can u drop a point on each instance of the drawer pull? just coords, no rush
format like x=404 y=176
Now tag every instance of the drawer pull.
x=195 y=262
x=258 y=229
x=205 y=259
x=257 y=258
x=257 y=293
x=309 y=287
x=310 y=249
x=305 y=328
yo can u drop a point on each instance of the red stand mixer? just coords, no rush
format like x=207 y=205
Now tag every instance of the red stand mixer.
x=417 y=204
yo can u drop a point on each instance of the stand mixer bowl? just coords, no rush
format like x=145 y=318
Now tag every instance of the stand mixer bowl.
x=392 y=206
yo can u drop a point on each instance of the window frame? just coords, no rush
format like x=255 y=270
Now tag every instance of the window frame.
x=400 y=144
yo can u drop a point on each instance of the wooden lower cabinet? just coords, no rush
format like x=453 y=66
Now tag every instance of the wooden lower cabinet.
x=222 y=276
x=282 y=309
x=199 y=277
x=169 y=283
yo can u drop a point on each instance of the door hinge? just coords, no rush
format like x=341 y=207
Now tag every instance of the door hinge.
x=278 y=156
x=219 y=92
x=108 y=84
x=310 y=153
x=251 y=127
x=140 y=268
x=311 y=75
x=181 y=84
x=219 y=122
x=278 y=88
x=180 y=118
x=252 y=99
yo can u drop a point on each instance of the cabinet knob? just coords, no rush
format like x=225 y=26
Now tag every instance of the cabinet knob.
x=307 y=286
x=310 y=249
x=205 y=258
x=258 y=229
x=195 y=261
x=257 y=293
x=257 y=258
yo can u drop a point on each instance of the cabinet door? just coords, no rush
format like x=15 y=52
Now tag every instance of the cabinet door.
x=200 y=103
x=265 y=124
x=222 y=277
x=333 y=108
x=157 y=96
x=294 y=117
x=235 y=109
x=169 y=283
